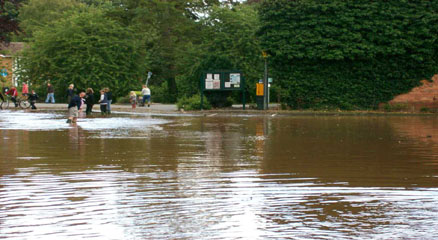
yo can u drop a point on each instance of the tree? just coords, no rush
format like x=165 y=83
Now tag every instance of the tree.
x=38 y=14
x=227 y=41
x=85 y=48
x=165 y=29
x=8 y=19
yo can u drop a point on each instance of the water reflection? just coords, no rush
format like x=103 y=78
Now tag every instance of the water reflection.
x=173 y=177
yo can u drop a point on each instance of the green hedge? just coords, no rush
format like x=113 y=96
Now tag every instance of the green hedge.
x=348 y=53
x=193 y=103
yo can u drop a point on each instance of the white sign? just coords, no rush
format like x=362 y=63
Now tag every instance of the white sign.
x=235 y=78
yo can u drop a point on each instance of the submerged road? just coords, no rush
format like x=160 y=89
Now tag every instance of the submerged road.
x=114 y=107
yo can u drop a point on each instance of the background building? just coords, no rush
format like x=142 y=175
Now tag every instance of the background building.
x=8 y=62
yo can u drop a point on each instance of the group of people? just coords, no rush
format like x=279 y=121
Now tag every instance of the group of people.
x=13 y=93
x=145 y=92
x=76 y=103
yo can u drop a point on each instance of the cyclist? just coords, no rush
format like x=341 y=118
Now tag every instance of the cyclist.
x=14 y=94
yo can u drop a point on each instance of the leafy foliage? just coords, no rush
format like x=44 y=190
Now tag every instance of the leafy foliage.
x=227 y=41
x=348 y=53
x=85 y=48
x=193 y=103
x=39 y=14
x=9 y=19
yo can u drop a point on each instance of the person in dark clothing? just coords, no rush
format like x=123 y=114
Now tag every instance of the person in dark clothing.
x=70 y=92
x=74 y=106
x=109 y=97
x=89 y=101
x=33 y=97
x=14 y=94
x=2 y=99
x=50 y=93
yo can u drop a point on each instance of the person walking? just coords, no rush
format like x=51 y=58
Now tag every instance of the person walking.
x=50 y=93
x=70 y=92
x=89 y=100
x=146 y=92
x=73 y=107
x=103 y=102
x=109 y=96
x=25 y=89
x=33 y=97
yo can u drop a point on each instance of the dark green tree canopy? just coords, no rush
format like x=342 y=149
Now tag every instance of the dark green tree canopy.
x=349 y=53
x=9 y=19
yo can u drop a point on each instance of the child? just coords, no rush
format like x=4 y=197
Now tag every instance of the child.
x=109 y=96
x=89 y=100
x=33 y=97
x=103 y=102
x=133 y=99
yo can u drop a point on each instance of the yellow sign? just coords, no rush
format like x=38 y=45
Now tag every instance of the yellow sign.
x=265 y=54
x=259 y=90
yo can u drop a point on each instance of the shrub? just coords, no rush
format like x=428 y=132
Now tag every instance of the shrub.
x=425 y=110
x=193 y=103
x=398 y=107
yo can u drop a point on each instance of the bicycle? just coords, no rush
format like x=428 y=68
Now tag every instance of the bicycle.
x=22 y=102
x=3 y=101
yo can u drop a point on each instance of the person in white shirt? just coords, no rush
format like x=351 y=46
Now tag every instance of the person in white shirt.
x=146 y=92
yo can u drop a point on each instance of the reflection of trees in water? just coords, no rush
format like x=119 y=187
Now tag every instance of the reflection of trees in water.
x=422 y=130
x=361 y=151
x=332 y=214
x=13 y=144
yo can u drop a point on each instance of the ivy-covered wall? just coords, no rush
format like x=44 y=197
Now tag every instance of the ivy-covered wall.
x=348 y=53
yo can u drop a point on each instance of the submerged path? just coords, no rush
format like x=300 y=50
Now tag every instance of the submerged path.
x=114 y=107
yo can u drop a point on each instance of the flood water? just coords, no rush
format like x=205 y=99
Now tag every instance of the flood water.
x=218 y=177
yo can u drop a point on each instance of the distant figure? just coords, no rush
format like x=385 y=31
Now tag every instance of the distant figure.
x=133 y=99
x=33 y=97
x=109 y=96
x=103 y=102
x=70 y=92
x=73 y=108
x=89 y=101
x=146 y=92
x=25 y=89
x=50 y=93
x=14 y=94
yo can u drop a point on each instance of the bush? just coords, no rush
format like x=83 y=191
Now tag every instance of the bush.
x=425 y=110
x=398 y=107
x=220 y=99
x=193 y=103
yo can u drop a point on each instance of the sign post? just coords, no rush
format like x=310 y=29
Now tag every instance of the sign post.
x=265 y=82
x=149 y=77
x=222 y=80
x=4 y=72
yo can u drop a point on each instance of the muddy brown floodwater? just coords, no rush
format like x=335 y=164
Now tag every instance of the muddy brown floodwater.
x=219 y=177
